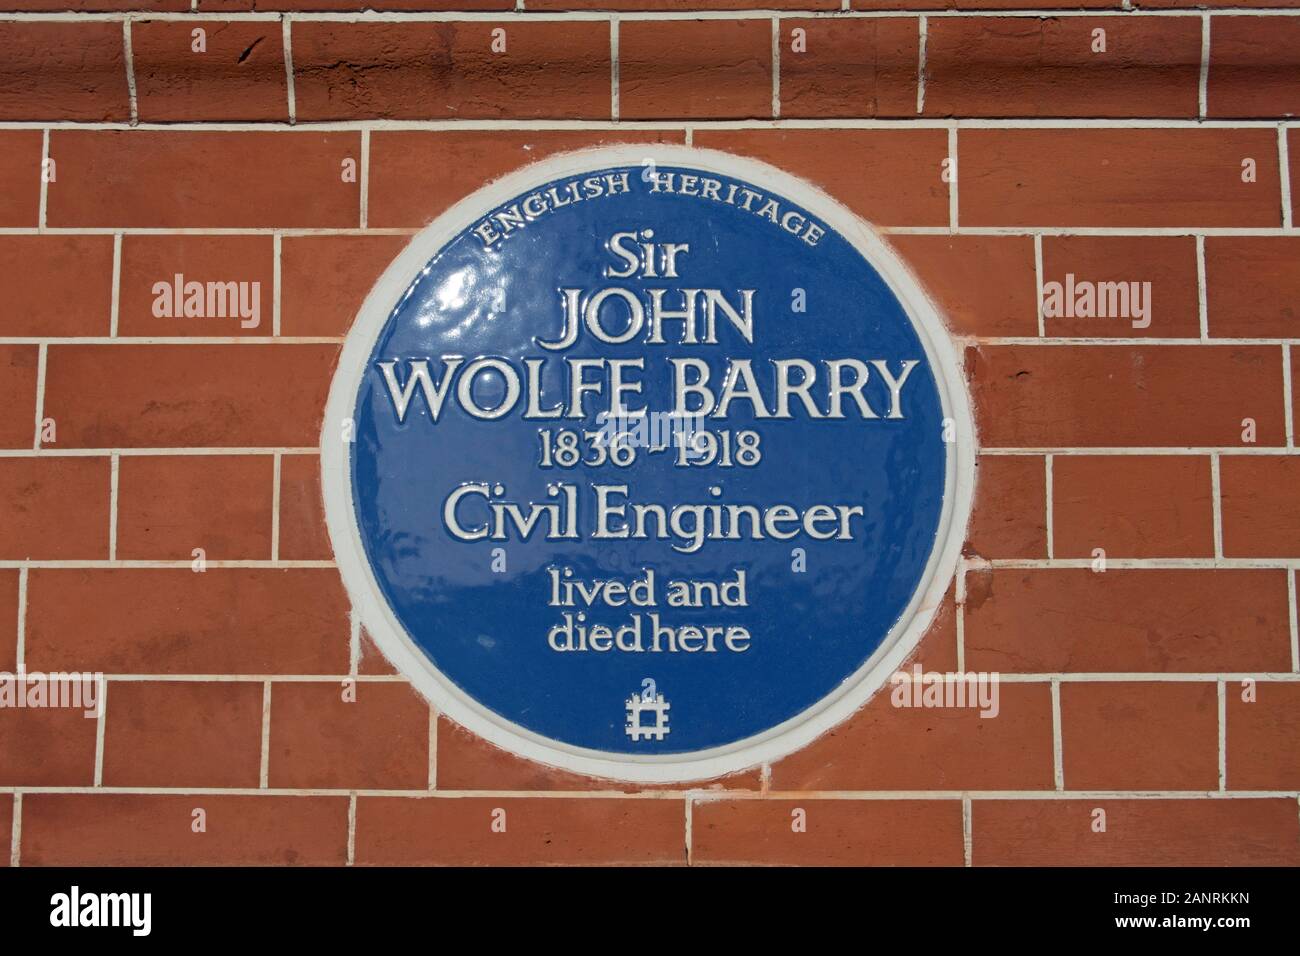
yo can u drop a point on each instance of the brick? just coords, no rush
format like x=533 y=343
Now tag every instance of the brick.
x=937 y=649
x=117 y=396
x=548 y=70
x=1293 y=162
x=239 y=75
x=1204 y=832
x=671 y=6
x=983 y=285
x=176 y=621
x=55 y=285
x=213 y=179
x=1132 y=506
x=895 y=194
x=183 y=734
x=63 y=71
x=468 y=762
x=848 y=68
x=1254 y=67
x=1009 y=519
x=96 y=6
x=169 y=505
x=1260 y=497
x=1252 y=286
x=6 y=828
x=18 y=364
x=948 y=748
x=1232 y=4
x=127 y=829
x=9 y=620
x=1126 y=621
x=1031 y=66
x=372 y=660
x=416 y=175
x=839 y=832
x=324 y=279
x=1168 y=263
x=403 y=831
x=20 y=177
x=694 y=69
x=1117 y=177
x=355 y=5
x=212 y=261
x=54 y=508
x=46 y=747
x=1035 y=396
x=303 y=536
x=985 y=4
x=1262 y=742
x=1140 y=736
x=377 y=740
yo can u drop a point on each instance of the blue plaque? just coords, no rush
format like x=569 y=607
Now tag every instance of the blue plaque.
x=647 y=462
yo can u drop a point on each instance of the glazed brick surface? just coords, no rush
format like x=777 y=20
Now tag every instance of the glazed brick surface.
x=1101 y=202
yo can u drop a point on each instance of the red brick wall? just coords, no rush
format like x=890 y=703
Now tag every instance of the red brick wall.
x=1122 y=690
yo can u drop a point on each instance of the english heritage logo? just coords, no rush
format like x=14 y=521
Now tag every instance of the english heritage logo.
x=641 y=609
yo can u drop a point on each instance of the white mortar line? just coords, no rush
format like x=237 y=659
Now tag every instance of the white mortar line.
x=519 y=15
x=1295 y=628
x=922 y=31
x=101 y=719
x=1201 y=677
x=129 y=340
x=20 y=652
x=433 y=748
x=16 y=830
x=1223 y=736
x=959 y=598
x=1077 y=124
x=1058 y=757
x=966 y=842
x=129 y=57
x=276 y=246
x=365 y=177
x=684 y=793
x=1051 y=498
x=613 y=68
x=1203 y=86
x=275 y=507
x=1284 y=174
x=45 y=180
x=287 y=40
x=1288 y=396
x=165 y=565
x=204 y=231
x=1038 y=283
x=954 y=170
x=42 y=360
x=993 y=450
x=1202 y=292
x=352 y=829
x=1216 y=495
x=149 y=452
x=264 y=773
x=1147 y=564
x=776 y=68
x=688 y=821
x=115 y=302
x=114 y=483
x=945 y=230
